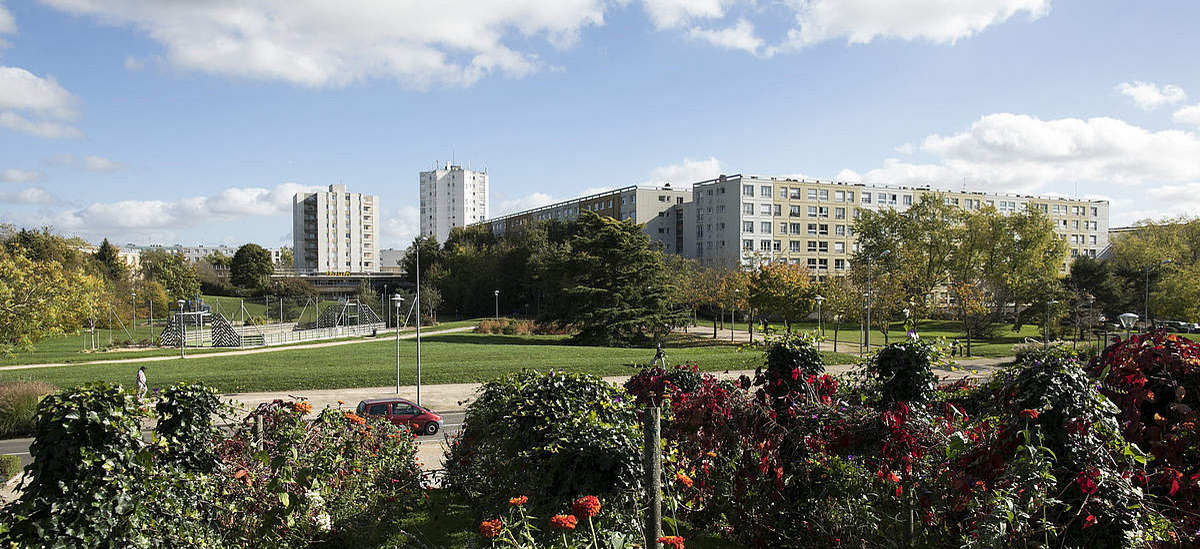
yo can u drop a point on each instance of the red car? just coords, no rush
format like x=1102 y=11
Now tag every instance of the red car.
x=402 y=412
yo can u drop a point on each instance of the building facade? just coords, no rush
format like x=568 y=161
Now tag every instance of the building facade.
x=743 y=220
x=335 y=231
x=452 y=197
x=661 y=209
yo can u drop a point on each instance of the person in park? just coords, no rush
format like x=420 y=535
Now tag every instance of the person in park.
x=141 y=383
x=954 y=349
x=660 y=356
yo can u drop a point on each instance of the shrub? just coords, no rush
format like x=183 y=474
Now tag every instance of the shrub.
x=1031 y=350
x=186 y=428
x=553 y=436
x=903 y=372
x=10 y=466
x=18 y=406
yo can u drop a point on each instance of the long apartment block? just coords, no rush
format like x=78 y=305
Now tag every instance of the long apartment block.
x=743 y=220
x=661 y=209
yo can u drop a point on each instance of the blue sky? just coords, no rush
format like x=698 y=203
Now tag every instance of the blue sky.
x=194 y=122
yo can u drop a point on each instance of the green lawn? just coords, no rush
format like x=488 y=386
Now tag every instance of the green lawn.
x=450 y=358
x=69 y=348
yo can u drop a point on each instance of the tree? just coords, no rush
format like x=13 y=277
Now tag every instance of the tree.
x=177 y=277
x=970 y=309
x=616 y=292
x=733 y=292
x=217 y=259
x=781 y=289
x=113 y=267
x=42 y=298
x=286 y=258
x=251 y=268
x=843 y=303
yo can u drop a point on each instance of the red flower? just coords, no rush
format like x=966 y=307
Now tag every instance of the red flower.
x=1087 y=481
x=490 y=528
x=586 y=507
x=563 y=522
x=517 y=501
x=674 y=542
x=1029 y=414
x=1089 y=522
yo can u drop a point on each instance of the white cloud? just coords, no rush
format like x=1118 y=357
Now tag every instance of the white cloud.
x=134 y=64
x=1019 y=153
x=740 y=36
x=1149 y=96
x=937 y=21
x=147 y=215
x=35 y=105
x=98 y=164
x=32 y=195
x=1188 y=115
x=674 y=13
x=19 y=176
x=528 y=202
x=684 y=174
x=401 y=227
x=416 y=42
x=8 y=25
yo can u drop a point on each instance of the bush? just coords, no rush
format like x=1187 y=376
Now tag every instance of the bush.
x=18 y=406
x=552 y=436
x=510 y=326
x=903 y=372
x=10 y=466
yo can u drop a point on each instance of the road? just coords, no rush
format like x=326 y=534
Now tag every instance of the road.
x=430 y=451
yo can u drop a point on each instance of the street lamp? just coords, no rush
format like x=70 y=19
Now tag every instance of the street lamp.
x=133 y=315
x=862 y=331
x=497 y=294
x=733 y=312
x=1128 y=320
x=820 y=299
x=1046 y=336
x=418 y=304
x=868 y=334
x=1147 y=303
x=182 y=329
x=397 y=299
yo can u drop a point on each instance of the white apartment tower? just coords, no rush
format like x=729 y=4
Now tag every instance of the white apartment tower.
x=452 y=197
x=335 y=231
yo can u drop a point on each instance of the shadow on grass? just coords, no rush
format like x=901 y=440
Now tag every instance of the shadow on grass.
x=495 y=339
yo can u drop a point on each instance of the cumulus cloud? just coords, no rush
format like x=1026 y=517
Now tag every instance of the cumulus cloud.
x=148 y=215
x=740 y=36
x=98 y=164
x=8 y=25
x=936 y=21
x=1188 y=115
x=401 y=227
x=34 y=105
x=689 y=171
x=32 y=195
x=1149 y=96
x=418 y=43
x=19 y=176
x=527 y=202
x=674 y=13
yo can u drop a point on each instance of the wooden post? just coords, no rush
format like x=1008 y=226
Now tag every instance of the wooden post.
x=652 y=465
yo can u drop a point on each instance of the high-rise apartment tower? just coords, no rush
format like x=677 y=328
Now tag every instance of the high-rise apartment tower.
x=335 y=231
x=452 y=197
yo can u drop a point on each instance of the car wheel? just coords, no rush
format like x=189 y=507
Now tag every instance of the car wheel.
x=431 y=428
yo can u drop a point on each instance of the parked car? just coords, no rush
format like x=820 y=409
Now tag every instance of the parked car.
x=402 y=412
x=1177 y=326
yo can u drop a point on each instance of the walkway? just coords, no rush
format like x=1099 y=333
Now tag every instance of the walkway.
x=254 y=351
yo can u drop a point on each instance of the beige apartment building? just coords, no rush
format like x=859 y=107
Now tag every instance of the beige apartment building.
x=335 y=231
x=744 y=220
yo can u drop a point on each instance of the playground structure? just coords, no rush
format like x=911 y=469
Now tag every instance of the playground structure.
x=200 y=325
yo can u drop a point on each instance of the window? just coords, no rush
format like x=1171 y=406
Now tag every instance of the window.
x=812 y=211
x=765 y=227
x=794 y=211
x=1093 y=240
x=824 y=211
x=812 y=194
x=775 y=246
x=783 y=192
x=823 y=229
x=794 y=193
x=1095 y=212
x=783 y=228
x=824 y=195
x=778 y=210
x=764 y=209
x=812 y=228
x=839 y=213
x=764 y=191
x=748 y=245
x=748 y=209
x=764 y=245
x=377 y=410
x=796 y=228
x=823 y=247
x=908 y=200
x=866 y=198
x=839 y=196
x=812 y=263
x=839 y=247
x=849 y=196
x=839 y=230
x=747 y=226
x=839 y=264
x=794 y=246
x=747 y=190
x=812 y=245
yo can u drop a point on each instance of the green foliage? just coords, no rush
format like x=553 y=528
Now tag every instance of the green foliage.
x=111 y=264
x=185 y=426
x=552 y=436
x=286 y=257
x=173 y=272
x=251 y=268
x=794 y=352
x=903 y=372
x=18 y=406
x=782 y=289
x=10 y=466
x=39 y=298
x=83 y=488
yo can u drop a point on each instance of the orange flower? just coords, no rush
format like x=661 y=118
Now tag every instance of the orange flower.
x=1029 y=414
x=563 y=522
x=517 y=501
x=586 y=507
x=341 y=402
x=490 y=528
x=674 y=542
x=683 y=479
x=355 y=418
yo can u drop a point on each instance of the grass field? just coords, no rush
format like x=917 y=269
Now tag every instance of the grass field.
x=450 y=358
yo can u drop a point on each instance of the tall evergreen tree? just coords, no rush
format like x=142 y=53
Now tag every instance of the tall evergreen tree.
x=110 y=262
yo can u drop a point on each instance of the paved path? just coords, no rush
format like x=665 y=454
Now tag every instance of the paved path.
x=254 y=351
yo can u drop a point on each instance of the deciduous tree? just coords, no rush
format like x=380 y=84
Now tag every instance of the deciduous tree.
x=251 y=268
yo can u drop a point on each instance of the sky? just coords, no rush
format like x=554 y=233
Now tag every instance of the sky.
x=194 y=122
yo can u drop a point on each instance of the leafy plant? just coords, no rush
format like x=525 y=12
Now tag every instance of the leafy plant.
x=903 y=371
x=185 y=426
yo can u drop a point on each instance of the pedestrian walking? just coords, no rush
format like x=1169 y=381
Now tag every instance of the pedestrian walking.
x=660 y=356
x=141 y=383
x=954 y=348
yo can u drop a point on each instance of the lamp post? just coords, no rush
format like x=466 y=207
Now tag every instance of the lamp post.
x=820 y=329
x=418 y=303
x=1046 y=336
x=497 y=294
x=868 y=334
x=1128 y=320
x=732 y=312
x=1147 y=303
x=133 y=315
x=397 y=299
x=862 y=332
x=182 y=329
